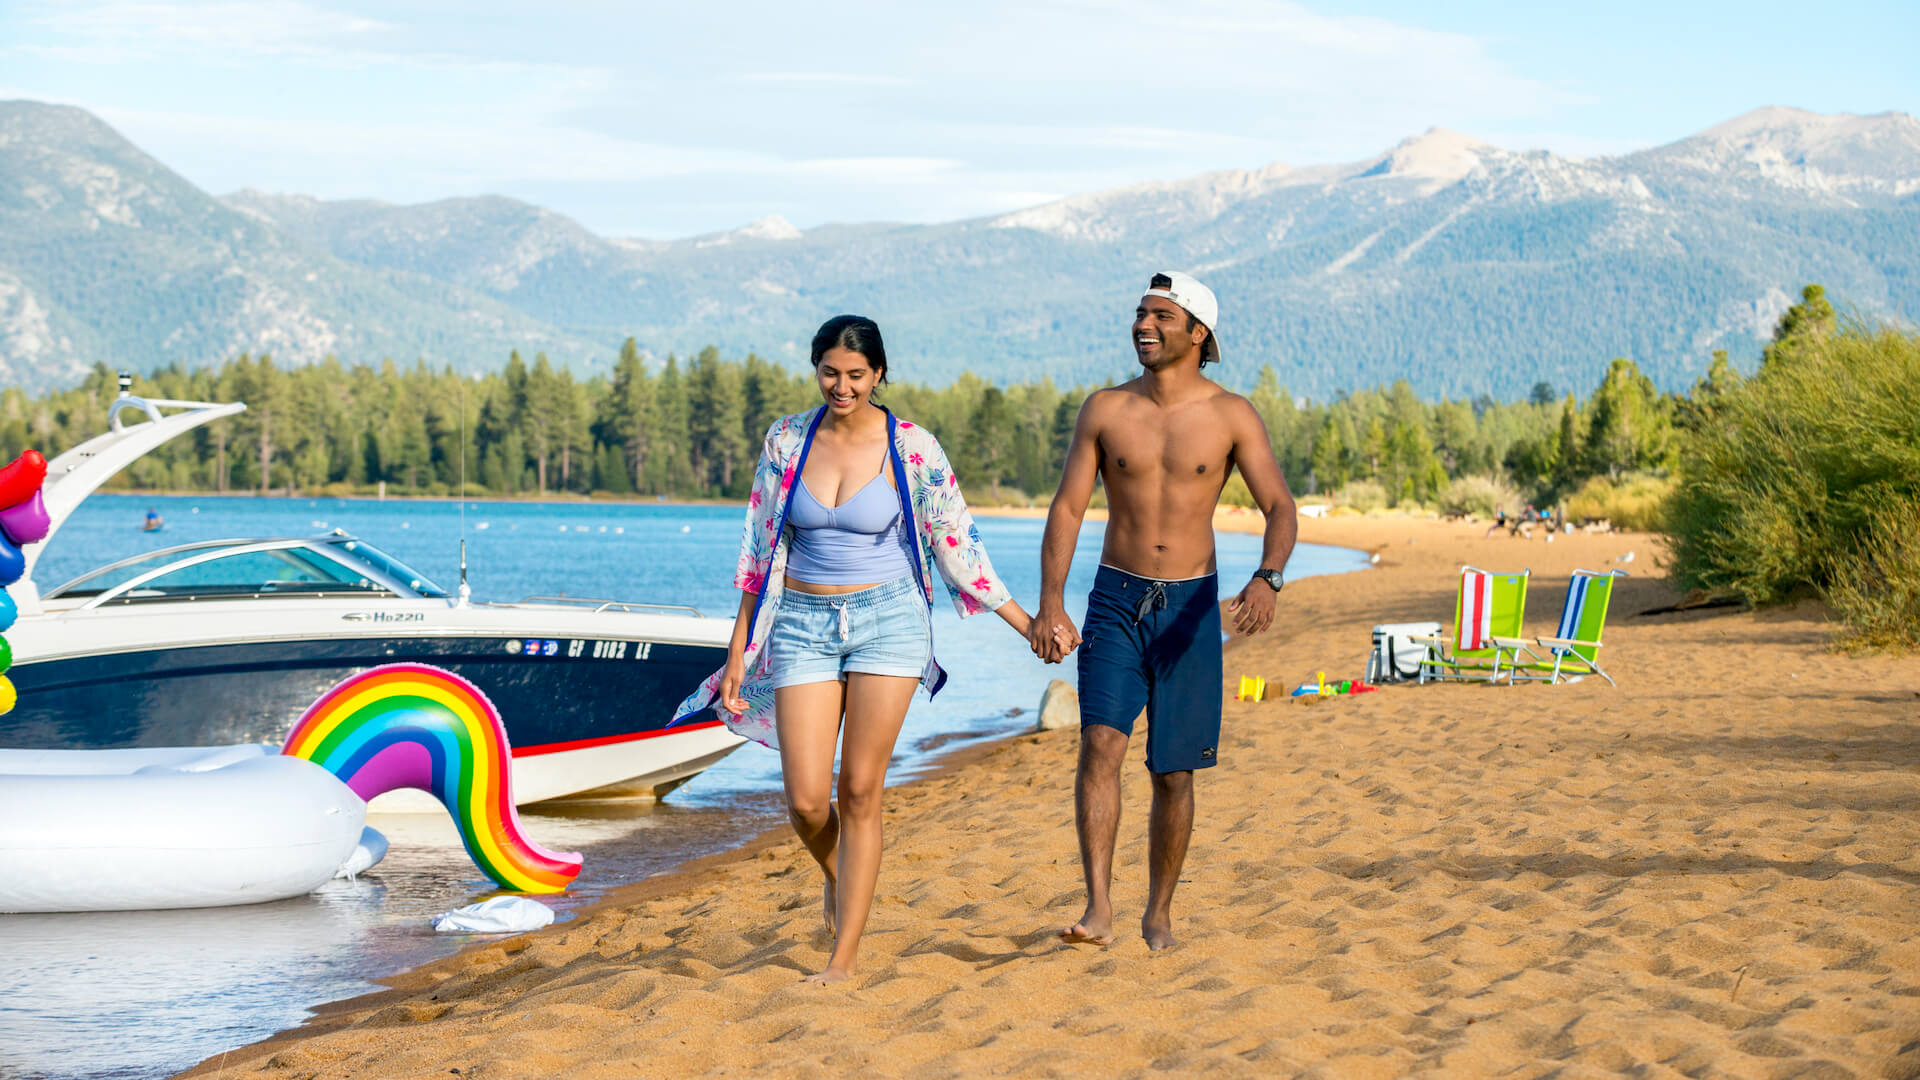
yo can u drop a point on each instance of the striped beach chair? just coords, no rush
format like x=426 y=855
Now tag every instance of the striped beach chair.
x=1575 y=646
x=1488 y=606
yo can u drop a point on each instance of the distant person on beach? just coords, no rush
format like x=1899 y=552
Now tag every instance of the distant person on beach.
x=1163 y=444
x=1499 y=521
x=853 y=514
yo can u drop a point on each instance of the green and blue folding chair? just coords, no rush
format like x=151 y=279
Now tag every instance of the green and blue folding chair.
x=1488 y=606
x=1575 y=646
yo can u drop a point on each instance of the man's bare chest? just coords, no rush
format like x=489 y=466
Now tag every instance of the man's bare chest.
x=1188 y=447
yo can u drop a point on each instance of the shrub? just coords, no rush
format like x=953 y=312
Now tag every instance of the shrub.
x=1635 y=501
x=1877 y=592
x=1364 y=496
x=1480 y=496
x=1236 y=492
x=1792 y=477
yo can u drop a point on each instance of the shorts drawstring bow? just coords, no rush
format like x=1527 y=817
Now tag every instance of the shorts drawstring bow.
x=1154 y=599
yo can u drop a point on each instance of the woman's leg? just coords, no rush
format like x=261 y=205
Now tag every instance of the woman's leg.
x=808 y=720
x=876 y=707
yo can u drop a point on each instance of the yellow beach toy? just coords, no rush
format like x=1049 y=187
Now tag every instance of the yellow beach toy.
x=1253 y=688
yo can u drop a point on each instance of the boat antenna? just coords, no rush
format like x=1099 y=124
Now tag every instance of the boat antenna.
x=465 y=591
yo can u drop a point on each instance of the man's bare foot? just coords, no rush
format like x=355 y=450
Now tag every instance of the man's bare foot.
x=831 y=975
x=828 y=904
x=1090 y=930
x=1159 y=935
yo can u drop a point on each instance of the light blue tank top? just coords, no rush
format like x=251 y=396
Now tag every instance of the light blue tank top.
x=862 y=541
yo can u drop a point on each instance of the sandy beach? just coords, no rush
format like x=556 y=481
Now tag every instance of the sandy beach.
x=1710 y=870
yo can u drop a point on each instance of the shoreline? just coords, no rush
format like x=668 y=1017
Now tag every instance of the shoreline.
x=1697 y=868
x=334 y=1015
x=328 y=1016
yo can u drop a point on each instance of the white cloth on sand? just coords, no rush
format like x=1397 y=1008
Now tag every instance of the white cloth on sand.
x=500 y=915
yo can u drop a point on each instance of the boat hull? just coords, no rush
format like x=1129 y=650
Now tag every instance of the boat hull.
x=582 y=714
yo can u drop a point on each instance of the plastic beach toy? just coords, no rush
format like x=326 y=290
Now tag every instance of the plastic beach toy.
x=1252 y=688
x=418 y=726
x=1320 y=687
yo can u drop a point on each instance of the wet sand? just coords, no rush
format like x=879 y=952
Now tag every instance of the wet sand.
x=1711 y=870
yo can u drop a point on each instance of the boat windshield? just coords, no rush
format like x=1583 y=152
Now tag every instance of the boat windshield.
x=112 y=577
x=388 y=565
x=251 y=573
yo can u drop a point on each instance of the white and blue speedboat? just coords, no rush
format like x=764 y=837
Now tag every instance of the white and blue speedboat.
x=227 y=641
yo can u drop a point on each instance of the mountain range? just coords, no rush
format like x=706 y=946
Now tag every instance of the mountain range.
x=1463 y=267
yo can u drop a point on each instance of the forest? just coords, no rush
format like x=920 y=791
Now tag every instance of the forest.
x=1802 y=479
x=692 y=428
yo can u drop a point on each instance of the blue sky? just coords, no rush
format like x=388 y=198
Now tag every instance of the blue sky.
x=671 y=120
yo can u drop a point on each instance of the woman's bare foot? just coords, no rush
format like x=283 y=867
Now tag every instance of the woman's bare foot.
x=829 y=901
x=1092 y=929
x=1159 y=935
x=831 y=975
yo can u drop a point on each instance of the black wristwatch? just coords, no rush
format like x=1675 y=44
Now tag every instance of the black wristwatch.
x=1271 y=577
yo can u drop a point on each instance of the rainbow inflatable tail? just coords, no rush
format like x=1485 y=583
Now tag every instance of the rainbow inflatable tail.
x=418 y=726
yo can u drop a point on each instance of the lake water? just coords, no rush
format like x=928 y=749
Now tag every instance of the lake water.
x=146 y=994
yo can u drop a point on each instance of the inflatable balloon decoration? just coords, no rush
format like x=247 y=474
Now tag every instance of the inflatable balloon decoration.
x=418 y=726
x=23 y=521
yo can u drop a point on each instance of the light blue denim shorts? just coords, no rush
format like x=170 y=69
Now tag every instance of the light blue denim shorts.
x=878 y=631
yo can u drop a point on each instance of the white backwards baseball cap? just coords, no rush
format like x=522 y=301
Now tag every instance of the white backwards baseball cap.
x=1197 y=299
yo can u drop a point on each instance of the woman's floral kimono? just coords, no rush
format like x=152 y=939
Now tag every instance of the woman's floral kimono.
x=944 y=536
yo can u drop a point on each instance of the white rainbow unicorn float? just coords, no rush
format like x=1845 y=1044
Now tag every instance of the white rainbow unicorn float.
x=121 y=830
x=118 y=830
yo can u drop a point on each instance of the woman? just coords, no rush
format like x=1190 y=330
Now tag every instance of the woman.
x=852 y=513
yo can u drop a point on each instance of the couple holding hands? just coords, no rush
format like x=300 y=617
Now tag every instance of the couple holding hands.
x=854 y=512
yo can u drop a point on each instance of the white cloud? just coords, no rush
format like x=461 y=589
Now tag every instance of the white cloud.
x=883 y=170
x=824 y=78
x=254 y=27
x=728 y=112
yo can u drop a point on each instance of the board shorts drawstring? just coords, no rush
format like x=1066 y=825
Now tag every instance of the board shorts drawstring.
x=846 y=624
x=1155 y=598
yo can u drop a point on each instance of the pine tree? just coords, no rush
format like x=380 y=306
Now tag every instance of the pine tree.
x=1565 y=462
x=1809 y=320
x=1695 y=412
x=716 y=425
x=989 y=437
x=628 y=402
x=1628 y=427
x=542 y=410
x=1329 y=471
x=668 y=469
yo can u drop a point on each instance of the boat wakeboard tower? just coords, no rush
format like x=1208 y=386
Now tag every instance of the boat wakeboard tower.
x=79 y=472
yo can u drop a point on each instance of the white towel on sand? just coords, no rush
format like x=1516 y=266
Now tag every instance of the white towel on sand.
x=500 y=915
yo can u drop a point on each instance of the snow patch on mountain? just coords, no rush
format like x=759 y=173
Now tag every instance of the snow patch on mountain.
x=1838 y=155
x=771 y=227
x=1109 y=215
x=1439 y=157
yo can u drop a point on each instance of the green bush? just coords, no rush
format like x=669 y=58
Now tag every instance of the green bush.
x=1480 y=496
x=1877 y=592
x=1792 y=478
x=1362 y=495
x=1236 y=492
x=1635 y=501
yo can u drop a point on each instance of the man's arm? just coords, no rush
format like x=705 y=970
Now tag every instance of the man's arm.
x=1051 y=633
x=1253 y=455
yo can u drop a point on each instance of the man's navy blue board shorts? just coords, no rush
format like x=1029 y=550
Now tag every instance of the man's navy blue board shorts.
x=1154 y=644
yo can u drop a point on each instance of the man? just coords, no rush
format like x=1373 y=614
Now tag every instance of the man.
x=1163 y=444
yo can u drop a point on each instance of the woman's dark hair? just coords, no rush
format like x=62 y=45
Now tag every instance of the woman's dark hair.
x=854 y=333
